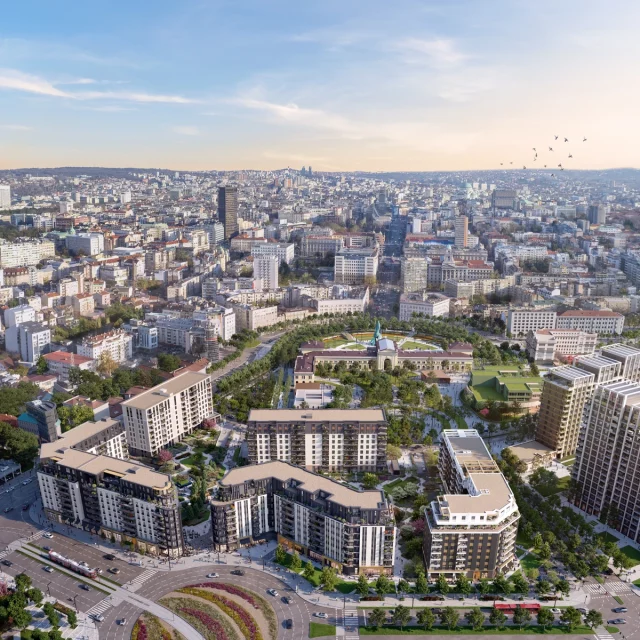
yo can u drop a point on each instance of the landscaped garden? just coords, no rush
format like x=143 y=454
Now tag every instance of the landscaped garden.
x=149 y=627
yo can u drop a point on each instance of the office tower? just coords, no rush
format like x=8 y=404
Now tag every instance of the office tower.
x=41 y=419
x=328 y=440
x=266 y=269
x=164 y=414
x=462 y=232
x=504 y=199
x=121 y=500
x=606 y=472
x=413 y=274
x=597 y=214
x=228 y=210
x=5 y=196
x=472 y=528
x=356 y=266
x=350 y=530
x=628 y=357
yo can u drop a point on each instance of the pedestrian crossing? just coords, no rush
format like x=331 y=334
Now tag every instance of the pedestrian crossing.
x=350 y=622
x=99 y=608
x=37 y=535
x=144 y=576
x=604 y=636
x=597 y=589
x=618 y=587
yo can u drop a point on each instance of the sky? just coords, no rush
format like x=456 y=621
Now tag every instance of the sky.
x=406 y=85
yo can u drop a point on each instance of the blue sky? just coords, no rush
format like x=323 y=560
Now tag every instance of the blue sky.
x=402 y=85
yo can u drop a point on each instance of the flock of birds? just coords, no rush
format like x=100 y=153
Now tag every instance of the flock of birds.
x=551 y=150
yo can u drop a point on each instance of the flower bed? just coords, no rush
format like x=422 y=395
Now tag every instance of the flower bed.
x=58 y=606
x=139 y=631
x=256 y=601
x=203 y=617
x=245 y=622
x=148 y=627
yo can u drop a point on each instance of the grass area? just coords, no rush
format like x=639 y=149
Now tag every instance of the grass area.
x=530 y=562
x=618 y=599
x=111 y=580
x=523 y=541
x=612 y=629
x=236 y=455
x=320 y=630
x=461 y=423
x=607 y=537
x=401 y=482
x=599 y=579
x=562 y=485
x=355 y=347
x=391 y=630
x=188 y=461
x=412 y=344
x=632 y=553
x=342 y=586
x=332 y=343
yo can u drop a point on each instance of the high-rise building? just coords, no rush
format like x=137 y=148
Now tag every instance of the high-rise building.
x=472 y=528
x=597 y=214
x=5 y=196
x=228 y=210
x=606 y=472
x=350 y=530
x=266 y=268
x=462 y=232
x=504 y=199
x=328 y=440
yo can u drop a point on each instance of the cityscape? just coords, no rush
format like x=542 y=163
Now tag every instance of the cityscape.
x=319 y=321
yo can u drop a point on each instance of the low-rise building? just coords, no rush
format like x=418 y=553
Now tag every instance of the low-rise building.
x=60 y=363
x=601 y=322
x=545 y=345
x=252 y=318
x=431 y=305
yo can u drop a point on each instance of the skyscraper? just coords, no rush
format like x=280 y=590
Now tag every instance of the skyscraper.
x=266 y=268
x=462 y=232
x=597 y=214
x=606 y=472
x=228 y=210
x=5 y=196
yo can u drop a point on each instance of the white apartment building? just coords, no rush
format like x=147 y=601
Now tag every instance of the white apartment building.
x=284 y=252
x=166 y=413
x=544 y=345
x=354 y=302
x=521 y=321
x=90 y=244
x=252 y=318
x=221 y=319
x=25 y=253
x=118 y=343
x=60 y=363
x=266 y=269
x=320 y=246
x=18 y=315
x=179 y=332
x=602 y=322
x=29 y=340
x=356 y=266
x=432 y=305
x=5 y=196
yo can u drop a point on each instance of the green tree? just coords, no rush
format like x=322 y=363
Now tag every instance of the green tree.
x=449 y=618
x=563 y=587
x=403 y=586
x=72 y=416
x=521 y=617
x=35 y=595
x=426 y=619
x=520 y=583
x=362 y=586
x=377 y=618
x=543 y=587
x=442 y=585
x=546 y=618
x=309 y=571
x=571 y=618
x=463 y=584
x=72 y=619
x=328 y=579
x=383 y=585
x=168 y=362
x=41 y=366
x=500 y=584
x=370 y=480
x=393 y=452
x=296 y=563
x=475 y=619
x=23 y=582
x=593 y=618
x=401 y=616
x=497 y=618
x=421 y=583
x=484 y=586
x=280 y=554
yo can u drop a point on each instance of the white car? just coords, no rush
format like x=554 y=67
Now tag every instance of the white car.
x=556 y=610
x=27 y=481
x=48 y=569
x=213 y=575
x=122 y=621
x=320 y=614
x=272 y=592
x=48 y=534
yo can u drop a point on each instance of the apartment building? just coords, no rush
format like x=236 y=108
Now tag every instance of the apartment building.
x=498 y=286
x=252 y=318
x=88 y=244
x=354 y=301
x=164 y=414
x=413 y=273
x=432 y=305
x=266 y=269
x=60 y=364
x=122 y=500
x=606 y=471
x=284 y=252
x=461 y=232
x=83 y=305
x=352 y=531
x=521 y=321
x=29 y=340
x=105 y=437
x=602 y=322
x=316 y=246
x=356 y=266
x=472 y=528
x=25 y=253
x=328 y=440
x=118 y=344
x=40 y=418
x=545 y=345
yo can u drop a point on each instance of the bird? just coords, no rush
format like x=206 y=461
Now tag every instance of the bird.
x=511 y=163
x=584 y=140
x=561 y=168
x=570 y=156
x=501 y=163
x=534 y=148
x=545 y=166
x=566 y=139
x=524 y=167
x=559 y=165
x=556 y=137
x=553 y=175
x=550 y=148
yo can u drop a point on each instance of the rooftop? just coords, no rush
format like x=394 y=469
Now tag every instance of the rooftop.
x=621 y=350
x=590 y=314
x=72 y=437
x=165 y=390
x=66 y=358
x=316 y=415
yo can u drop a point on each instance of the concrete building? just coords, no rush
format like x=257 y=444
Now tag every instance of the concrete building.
x=118 y=343
x=504 y=199
x=545 y=345
x=228 y=210
x=5 y=196
x=431 y=305
x=17 y=315
x=60 y=364
x=356 y=266
x=597 y=214
x=317 y=246
x=25 y=253
x=266 y=269
x=29 y=339
x=252 y=318
x=521 y=321
x=472 y=528
x=40 y=418
x=284 y=252
x=88 y=244
x=601 y=322
x=461 y=232
x=164 y=414
x=105 y=437
x=348 y=440
x=413 y=274
x=349 y=530
x=606 y=471
x=83 y=305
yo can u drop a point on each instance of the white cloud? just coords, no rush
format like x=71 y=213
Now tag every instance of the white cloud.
x=134 y=97
x=186 y=130
x=18 y=81
x=437 y=52
x=79 y=81
x=111 y=108
x=15 y=127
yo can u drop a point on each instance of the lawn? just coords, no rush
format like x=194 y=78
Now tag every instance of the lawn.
x=632 y=553
x=341 y=585
x=562 y=484
x=612 y=629
x=530 y=562
x=355 y=347
x=523 y=541
x=332 y=343
x=320 y=630
x=412 y=344
x=607 y=537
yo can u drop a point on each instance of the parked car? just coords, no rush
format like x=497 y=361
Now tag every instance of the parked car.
x=619 y=610
x=556 y=610
x=582 y=610
x=109 y=556
x=320 y=614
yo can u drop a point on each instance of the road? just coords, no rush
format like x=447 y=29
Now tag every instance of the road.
x=14 y=495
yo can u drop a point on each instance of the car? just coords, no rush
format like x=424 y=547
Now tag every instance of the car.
x=48 y=569
x=556 y=610
x=122 y=621
x=213 y=575
x=97 y=617
x=619 y=610
x=582 y=610
x=238 y=572
x=287 y=600
x=114 y=570
x=48 y=534
x=272 y=592
x=7 y=563
x=84 y=587
x=27 y=481
x=25 y=507
x=320 y=614
x=8 y=509
x=617 y=621
x=46 y=548
x=288 y=623
x=109 y=556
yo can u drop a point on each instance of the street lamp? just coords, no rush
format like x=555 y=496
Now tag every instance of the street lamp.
x=48 y=590
x=75 y=604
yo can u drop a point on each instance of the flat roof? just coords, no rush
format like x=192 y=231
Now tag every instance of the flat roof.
x=165 y=390
x=528 y=450
x=309 y=481
x=316 y=415
x=620 y=350
x=71 y=438
x=570 y=373
x=494 y=494
x=596 y=362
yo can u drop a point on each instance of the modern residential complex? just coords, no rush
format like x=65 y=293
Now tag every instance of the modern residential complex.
x=117 y=343
x=335 y=525
x=521 y=321
x=471 y=528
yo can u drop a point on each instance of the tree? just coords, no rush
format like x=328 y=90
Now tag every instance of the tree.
x=564 y=587
x=41 y=366
x=35 y=595
x=463 y=584
x=500 y=584
x=533 y=367
x=543 y=587
x=72 y=416
x=383 y=585
x=520 y=583
x=362 y=586
x=497 y=618
x=403 y=586
x=532 y=574
x=328 y=579
x=309 y=571
x=449 y=617
x=546 y=618
x=421 y=583
x=483 y=586
x=106 y=364
x=280 y=554
x=72 y=618
x=370 y=480
x=521 y=617
x=23 y=582
x=164 y=456
x=571 y=618
x=475 y=618
x=377 y=618
x=296 y=563
x=401 y=616
x=426 y=619
x=593 y=618
x=393 y=452
x=168 y=362
x=442 y=585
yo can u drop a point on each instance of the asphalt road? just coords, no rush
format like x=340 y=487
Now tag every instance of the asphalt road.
x=15 y=524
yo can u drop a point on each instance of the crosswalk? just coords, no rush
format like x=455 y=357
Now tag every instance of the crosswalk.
x=144 y=576
x=37 y=535
x=604 y=636
x=99 y=608
x=597 y=589
x=617 y=587
x=350 y=621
